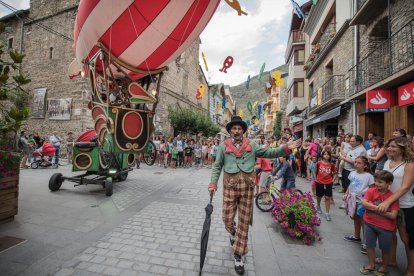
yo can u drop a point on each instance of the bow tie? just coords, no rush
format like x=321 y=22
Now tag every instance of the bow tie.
x=238 y=142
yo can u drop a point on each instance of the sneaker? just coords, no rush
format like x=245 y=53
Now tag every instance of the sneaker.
x=319 y=210
x=341 y=190
x=238 y=264
x=343 y=206
x=352 y=239
x=328 y=217
x=364 y=249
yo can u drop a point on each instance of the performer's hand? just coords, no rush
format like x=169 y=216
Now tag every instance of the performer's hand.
x=212 y=187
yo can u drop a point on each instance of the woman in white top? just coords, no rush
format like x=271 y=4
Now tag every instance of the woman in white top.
x=400 y=164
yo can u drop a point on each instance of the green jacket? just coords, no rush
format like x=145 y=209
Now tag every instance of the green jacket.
x=246 y=160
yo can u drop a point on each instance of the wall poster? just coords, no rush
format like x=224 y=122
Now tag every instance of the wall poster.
x=60 y=109
x=38 y=110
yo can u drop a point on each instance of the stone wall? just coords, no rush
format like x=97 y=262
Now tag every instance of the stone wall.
x=376 y=30
x=47 y=59
x=341 y=55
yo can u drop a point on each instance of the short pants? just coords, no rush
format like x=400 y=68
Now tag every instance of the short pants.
x=372 y=233
x=264 y=179
x=287 y=184
x=409 y=225
x=323 y=190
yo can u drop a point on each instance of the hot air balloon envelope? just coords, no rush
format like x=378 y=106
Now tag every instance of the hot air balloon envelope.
x=143 y=34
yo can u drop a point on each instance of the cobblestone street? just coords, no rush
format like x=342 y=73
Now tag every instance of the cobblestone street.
x=151 y=226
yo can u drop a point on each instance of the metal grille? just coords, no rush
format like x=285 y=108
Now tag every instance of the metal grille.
x=383 y=62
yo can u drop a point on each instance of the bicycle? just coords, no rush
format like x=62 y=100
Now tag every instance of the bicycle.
x=264 y=200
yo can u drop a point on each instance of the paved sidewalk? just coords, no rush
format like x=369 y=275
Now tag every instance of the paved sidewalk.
x=152 y=226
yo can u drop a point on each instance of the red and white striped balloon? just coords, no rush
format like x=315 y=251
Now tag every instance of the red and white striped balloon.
x=146 y=34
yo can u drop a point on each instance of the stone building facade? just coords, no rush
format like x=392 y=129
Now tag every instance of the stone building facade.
x=49 y=54
x=329 y=41
x=385 y=62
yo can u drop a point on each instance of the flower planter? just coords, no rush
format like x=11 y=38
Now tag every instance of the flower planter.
x=9 y=193
x=296 y=214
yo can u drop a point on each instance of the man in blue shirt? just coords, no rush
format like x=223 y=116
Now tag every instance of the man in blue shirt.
x=371 y=135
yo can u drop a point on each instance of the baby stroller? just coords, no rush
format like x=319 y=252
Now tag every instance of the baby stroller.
x=41 y=156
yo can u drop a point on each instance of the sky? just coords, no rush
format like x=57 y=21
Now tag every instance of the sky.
x=251 y=40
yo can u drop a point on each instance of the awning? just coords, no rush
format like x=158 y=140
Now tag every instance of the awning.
x=324 y=117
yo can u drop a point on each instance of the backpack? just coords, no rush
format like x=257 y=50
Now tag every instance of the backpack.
x=20 y=143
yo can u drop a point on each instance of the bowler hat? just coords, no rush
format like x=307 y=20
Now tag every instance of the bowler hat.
x=236 y=120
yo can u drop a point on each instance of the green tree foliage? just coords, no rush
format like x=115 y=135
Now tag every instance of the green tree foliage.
x=187 y=120
x=13 y=98
x=277 y=128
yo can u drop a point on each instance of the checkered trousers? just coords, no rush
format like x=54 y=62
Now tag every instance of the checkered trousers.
x=238 y=196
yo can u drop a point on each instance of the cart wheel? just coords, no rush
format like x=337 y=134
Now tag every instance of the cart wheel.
x=55 y=182
x=34 y=165
x=122 y=177
x=109 y=188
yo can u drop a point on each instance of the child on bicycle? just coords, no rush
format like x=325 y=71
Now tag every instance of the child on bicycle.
x=325 y=171
x=284 y=170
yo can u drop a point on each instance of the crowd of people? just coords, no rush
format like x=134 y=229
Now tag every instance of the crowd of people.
x=33 y=143
x=376 y=178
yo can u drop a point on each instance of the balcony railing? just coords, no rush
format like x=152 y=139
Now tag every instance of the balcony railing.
x=383 y=62
x=296 y=36
x=318 y=48
x=333 y=91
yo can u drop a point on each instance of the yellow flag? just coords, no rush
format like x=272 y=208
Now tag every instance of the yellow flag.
x=241 y=113
x=205 y=61
x=254 y=105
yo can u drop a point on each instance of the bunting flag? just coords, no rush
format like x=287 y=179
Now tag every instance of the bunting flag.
x=236 y=5
x=279 y=82
x=254 y=105
x=248 y=83
x=261 y=71
x=250 y=108
x=227 y=63
x=248 y=123
x=200 y=92
x=297 y=9
x=223 y=103
x=259 y=111
x=241 y=113
x=205 y=61
x=218 y=107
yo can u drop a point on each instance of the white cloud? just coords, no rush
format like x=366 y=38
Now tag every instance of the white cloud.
x=17 y=4
x=244 y=37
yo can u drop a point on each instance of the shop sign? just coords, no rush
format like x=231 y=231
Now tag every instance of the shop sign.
x=406 y=94
x=378 y=101
x=298 y=127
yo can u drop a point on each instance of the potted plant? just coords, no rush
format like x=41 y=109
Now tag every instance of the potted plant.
x=296 y=214
x=316 y=48
x=13 y=112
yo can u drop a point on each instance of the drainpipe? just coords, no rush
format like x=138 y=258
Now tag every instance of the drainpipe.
x=21 y=40
x=355 y=62
x=389 y=39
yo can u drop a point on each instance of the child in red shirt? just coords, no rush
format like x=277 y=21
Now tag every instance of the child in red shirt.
x=379 y=226
x=325 y=171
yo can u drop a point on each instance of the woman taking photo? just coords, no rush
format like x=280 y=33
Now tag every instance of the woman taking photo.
x=400 y=164
x=304 y=158
x=377 y=157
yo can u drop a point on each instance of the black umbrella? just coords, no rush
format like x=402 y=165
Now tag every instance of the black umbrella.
x=205 y=233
